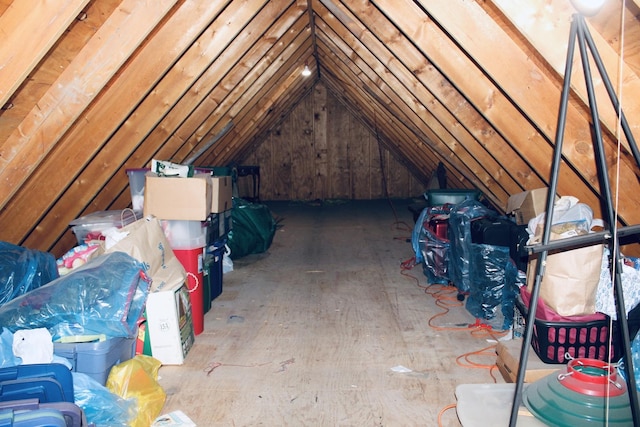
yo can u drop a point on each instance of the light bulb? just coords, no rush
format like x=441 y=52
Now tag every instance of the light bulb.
x=306 y=72
x=588 y=7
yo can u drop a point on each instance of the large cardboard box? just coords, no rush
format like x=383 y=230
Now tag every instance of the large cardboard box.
x=178 y=198
x=508 y=361
x=221 y=195
x=169 y=324
x=527 y=205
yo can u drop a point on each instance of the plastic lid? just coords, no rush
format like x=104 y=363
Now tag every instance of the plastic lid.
x=118 y=218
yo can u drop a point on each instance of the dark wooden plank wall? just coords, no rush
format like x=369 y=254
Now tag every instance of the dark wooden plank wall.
x=321 y=151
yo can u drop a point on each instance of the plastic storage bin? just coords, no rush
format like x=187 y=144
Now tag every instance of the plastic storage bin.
x=214 y=170
x=49 y=382
x=32 y=412
x=439 y=197
x=97 y=358
x=136 y=186
x=92 y=225
x=552 y=340
x=184 y=234
x=213 y=266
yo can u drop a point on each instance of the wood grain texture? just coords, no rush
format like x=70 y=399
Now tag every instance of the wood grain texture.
x=74 y=90
x=28 y=30
x=292 y=158
x=308 y=333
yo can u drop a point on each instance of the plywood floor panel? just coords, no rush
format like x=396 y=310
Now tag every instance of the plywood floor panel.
x=307 y=334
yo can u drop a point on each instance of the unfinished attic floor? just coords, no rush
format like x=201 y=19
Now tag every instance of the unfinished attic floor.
x=313 y=332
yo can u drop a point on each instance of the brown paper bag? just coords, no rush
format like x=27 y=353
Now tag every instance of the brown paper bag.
x=570 y=280
x=147 y=243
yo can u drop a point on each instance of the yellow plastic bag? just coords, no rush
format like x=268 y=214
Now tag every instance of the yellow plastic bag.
x=137 y=379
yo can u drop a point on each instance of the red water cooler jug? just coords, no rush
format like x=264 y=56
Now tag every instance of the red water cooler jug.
x=192 y=261
x=188 y=242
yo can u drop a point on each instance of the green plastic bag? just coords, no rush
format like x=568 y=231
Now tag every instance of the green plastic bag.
x=253 y=228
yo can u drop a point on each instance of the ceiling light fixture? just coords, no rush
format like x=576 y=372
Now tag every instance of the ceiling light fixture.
x=588 y=7
x=306 y=71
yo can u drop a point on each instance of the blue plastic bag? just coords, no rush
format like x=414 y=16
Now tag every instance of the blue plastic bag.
x=493 y=287
x=101 y=407
x=460 y=218
x=417 y=234
x=435 y=256
x=7 y=358
x=23 y=269
x=105 y=296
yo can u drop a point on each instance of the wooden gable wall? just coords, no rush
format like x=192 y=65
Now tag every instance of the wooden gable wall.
x=322 y=151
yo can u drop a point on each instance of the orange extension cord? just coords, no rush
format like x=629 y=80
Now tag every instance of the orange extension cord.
x=446 y=297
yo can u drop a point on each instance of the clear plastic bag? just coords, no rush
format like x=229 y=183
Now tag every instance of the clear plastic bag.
x=227 y=262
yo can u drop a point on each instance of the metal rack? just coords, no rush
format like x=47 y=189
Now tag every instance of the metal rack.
x=580 y=32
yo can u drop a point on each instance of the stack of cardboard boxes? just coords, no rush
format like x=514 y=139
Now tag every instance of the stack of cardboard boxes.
x=205 y=201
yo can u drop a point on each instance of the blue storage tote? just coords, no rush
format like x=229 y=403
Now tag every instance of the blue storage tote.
x=49 y=382
x=33 y=409
x=213 y=267
x=37 y=418
x=97 y=358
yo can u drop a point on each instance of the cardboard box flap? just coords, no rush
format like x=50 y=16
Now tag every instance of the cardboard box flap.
x=221 y=198
x=527 y=205
x=536 y=197
x=516 y=201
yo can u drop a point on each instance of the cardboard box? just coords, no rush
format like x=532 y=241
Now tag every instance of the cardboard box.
x=178 y=198
x=221 y=196
x=527 y=205
x=508 y=361
x=169 y=324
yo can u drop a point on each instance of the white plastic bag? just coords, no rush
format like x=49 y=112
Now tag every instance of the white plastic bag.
x=227 y=262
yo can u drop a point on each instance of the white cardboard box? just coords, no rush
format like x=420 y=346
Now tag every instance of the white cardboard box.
x=170 y=324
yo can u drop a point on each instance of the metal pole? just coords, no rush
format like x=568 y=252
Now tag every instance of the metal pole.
x=553 y=185
x=614 y=249
x=583 y=240
x=580 y=32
